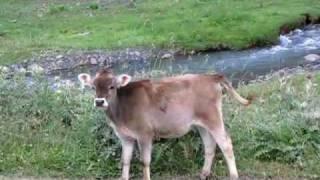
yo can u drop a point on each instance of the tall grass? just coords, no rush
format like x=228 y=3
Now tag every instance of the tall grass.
x=44 y=132
x=283 y=125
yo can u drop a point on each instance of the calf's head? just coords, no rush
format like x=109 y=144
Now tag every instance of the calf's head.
x=105 y=84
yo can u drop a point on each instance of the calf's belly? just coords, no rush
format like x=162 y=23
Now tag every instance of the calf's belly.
x=174 y=122
x=172 y=129
x=172 y=132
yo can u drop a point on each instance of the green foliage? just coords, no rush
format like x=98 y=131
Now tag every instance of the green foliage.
x=58 y=132
x=94 y=6
x=28 y=28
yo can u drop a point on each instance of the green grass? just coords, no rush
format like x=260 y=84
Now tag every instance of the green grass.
x=59 y=133
x=28 y=27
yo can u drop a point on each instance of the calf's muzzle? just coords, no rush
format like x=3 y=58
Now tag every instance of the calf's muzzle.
x=100 y=102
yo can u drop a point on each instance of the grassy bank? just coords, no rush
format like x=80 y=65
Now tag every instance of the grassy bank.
x=33 y=26
x=46 y=133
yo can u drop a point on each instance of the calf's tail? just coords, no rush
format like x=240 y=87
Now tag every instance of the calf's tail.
x=227 y=85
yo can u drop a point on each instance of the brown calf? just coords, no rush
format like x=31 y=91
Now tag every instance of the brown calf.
x=145 y=110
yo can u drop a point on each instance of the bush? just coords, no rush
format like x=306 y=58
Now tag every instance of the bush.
x=94 y=6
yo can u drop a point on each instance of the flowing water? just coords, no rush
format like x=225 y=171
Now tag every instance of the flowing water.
x=237 y=65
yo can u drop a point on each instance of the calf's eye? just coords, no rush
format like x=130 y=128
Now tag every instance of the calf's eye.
x=111 y=87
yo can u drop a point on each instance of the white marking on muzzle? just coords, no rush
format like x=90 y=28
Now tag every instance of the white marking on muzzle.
x=101 y=102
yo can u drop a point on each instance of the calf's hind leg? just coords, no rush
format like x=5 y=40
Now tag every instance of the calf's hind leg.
x=215 y=126
x=145 y=147
x=224 y=142
x=209 y=152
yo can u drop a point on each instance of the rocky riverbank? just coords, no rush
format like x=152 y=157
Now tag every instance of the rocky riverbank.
x=50 y=63
x=311 y=65
x=55 y=61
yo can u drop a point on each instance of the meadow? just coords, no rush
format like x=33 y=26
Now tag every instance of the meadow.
x=32 y=27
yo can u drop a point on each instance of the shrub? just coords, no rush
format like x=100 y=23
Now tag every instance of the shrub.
x=94 y=6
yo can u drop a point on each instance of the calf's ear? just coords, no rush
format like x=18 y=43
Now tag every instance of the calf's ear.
x=123 y=80
x=85 y=80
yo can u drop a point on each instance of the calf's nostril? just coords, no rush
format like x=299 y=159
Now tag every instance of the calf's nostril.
x=99 y=102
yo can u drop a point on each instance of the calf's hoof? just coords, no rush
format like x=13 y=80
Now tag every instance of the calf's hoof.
x=204 y=175
x=234 y=177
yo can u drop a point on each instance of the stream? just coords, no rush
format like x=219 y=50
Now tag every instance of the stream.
x=237 y=65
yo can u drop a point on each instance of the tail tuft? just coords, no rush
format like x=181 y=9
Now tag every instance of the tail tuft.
x=250 y=99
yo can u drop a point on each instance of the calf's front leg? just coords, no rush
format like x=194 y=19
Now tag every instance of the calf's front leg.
x=145 y=147
x=127 y=149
